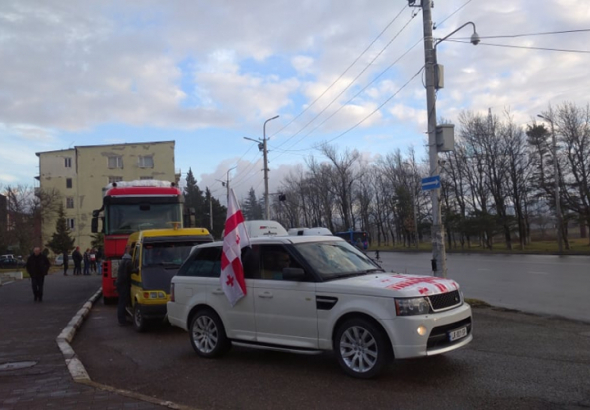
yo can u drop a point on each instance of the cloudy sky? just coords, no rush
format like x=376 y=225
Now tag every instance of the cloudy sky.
x=208 y=73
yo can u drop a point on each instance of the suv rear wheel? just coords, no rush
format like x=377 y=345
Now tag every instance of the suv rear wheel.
x=208 y=335
x=362 y=348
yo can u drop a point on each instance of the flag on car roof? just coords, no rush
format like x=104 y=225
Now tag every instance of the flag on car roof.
x=234 y=239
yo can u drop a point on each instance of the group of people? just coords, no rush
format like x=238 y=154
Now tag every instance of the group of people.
x=91 y=259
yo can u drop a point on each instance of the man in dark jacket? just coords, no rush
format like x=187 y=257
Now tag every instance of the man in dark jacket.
x=37 y=267
x=124 y=286
x=77 y=257
x=66 y=261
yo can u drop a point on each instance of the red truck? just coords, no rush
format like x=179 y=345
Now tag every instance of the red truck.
x=131 y=206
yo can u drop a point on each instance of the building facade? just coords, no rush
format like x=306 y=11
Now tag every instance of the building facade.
x=79 y=174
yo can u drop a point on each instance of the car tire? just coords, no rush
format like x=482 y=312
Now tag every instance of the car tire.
x=362 y=348
x=139 y=321
x=207 y=334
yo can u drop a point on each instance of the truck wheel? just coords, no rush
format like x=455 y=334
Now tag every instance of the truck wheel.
x=139 y=322
x=208 y=335
x=362 y=348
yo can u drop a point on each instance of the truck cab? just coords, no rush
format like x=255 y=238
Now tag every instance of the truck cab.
x=157 y=254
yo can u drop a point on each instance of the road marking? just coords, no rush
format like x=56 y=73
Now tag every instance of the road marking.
x=539 y=273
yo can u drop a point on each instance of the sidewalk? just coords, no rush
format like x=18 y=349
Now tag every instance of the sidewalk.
x=28 y=331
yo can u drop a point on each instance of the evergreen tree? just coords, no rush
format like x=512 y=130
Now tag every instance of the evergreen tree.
x=61 y=241
x=251 y=207
x=219 y=215
x=194 y=199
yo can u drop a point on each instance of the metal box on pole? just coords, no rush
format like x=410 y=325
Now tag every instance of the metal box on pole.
x=445 y=137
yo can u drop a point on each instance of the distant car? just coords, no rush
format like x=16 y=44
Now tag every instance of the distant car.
x=59 y=261
x=9 y=261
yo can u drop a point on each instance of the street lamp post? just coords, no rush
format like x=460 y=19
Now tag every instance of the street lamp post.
x=226 y=182
x=438 y=239
x=557 y=195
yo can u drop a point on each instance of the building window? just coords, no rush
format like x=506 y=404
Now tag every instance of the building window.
x=146 y=178
x=70 y=202
x=146 y=162
x=68 y=162
x=71 y=223
x=116 y=162
x=68 y=182
x=115 y=179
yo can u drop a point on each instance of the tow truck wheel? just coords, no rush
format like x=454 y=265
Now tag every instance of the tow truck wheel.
x=139 y=322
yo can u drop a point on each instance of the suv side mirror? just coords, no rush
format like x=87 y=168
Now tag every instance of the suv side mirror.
x=293 y=274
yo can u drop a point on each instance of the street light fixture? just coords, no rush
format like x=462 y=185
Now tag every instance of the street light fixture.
x=226 y=182
x=557 y=195
x=438 y=237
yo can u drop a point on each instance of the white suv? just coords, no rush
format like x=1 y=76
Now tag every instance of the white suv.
x=309 y=294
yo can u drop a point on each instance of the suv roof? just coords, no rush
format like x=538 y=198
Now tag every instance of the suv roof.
x=282 y=239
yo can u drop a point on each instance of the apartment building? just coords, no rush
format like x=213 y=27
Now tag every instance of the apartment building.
x=79 y=174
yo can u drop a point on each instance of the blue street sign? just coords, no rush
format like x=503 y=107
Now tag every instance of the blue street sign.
x=431 y=183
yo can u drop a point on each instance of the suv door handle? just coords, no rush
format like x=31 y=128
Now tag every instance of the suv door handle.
x=218 y=291
x=265 y=295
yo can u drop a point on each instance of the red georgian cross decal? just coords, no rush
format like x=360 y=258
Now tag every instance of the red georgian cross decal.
x=407 y=282
x=237 y=238
x=230 y=281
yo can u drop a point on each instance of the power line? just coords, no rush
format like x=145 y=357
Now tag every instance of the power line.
x=354 y=96
x=529 y=34
x=351 y=82
x=525 y=47
x=341 y=75
x=453 y=13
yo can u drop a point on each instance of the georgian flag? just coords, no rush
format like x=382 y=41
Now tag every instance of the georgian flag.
x=235 y=238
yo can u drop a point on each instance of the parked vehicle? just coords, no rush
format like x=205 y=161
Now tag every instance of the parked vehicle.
x=9 y=262
x=157 y=255
x=310 y=294
x=59 y=261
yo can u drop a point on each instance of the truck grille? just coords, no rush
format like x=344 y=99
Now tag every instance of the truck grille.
x=445 y=300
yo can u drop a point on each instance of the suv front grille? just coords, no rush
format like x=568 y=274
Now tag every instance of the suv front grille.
x=445 y=300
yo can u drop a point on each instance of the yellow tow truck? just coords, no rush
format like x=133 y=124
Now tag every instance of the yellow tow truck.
x=156 y=257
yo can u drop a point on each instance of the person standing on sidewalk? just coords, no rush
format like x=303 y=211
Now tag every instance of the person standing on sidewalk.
x=66 y=260
x=124 y=286
x=37 y=266
x=87 y=262
x=77 y=257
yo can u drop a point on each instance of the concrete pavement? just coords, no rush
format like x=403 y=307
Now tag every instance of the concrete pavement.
x=33 y=371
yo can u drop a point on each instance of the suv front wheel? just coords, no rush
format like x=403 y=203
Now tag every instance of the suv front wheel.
x=362 y=348
x=208 y=335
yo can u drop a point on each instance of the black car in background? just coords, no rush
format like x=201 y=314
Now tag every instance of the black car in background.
x=9 y=262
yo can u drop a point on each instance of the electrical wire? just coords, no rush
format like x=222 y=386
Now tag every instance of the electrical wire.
x=351 y=82
x=453 y=13
x=353 y=97
x=342 y=75
x=529 y=34
x=524 y=47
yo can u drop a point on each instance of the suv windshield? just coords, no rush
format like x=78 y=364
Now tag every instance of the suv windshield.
x=338 y=259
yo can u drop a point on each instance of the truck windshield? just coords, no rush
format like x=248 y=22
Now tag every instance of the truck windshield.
x=166 y=254
x=129 y=218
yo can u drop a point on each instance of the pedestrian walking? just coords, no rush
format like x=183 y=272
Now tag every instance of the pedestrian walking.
x=87 y=262
x=37 y=266
x=66 y=261
x=99 y=260
x=77 y=257
x=124 y=286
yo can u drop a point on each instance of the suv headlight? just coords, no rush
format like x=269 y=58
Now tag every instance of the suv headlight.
x=412 y=306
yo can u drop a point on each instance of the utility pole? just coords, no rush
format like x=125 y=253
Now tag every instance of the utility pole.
x=210 y=211
x=265 y=155
x=439 y=265
x=557 y=195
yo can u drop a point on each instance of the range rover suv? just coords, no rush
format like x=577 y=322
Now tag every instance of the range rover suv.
x=310 y=294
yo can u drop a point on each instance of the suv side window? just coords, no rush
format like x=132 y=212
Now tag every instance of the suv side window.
x=206 y=263
x=273 y=258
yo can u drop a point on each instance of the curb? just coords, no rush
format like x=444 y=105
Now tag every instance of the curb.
x=77 y=369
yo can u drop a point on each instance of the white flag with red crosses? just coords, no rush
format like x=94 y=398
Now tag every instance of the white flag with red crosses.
x=235 y=238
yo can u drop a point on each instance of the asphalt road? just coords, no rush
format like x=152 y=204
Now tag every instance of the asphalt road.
x=516 y=361
x=546 y=284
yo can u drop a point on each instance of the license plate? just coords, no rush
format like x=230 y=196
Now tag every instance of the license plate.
x=457 y=334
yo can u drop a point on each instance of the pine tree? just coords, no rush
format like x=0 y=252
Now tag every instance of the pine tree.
x=61 y=241
x=194 y=199
x=251 y=207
